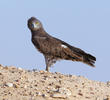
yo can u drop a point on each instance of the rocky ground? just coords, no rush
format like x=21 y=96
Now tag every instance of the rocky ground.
x=20 y=84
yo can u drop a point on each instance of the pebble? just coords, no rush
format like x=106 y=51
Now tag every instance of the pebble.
x=64 y=91
x=20 y=68
x=108 y=83
x=57 y=95
x=45 y=77
x=1 y=74
x=1 y=67
x=44 y=95
x=61 y=93
x=42 y=71
x=9 y=84
x=25 y=86
x=70 y=75
x=38 y=93
x=35 y=70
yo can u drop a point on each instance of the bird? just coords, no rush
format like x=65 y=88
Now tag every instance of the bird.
x=55 y=49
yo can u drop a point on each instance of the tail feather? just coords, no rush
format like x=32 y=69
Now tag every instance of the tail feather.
x=80 y=55
x=84 y=57
x=89 y=59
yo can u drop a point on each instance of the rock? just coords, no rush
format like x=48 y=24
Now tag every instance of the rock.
x=57 y=95
x=42 y=71
x=35 y=70
x=20 y=68
x=9 y=84
x=45 y=77
x=64 y=91
x=108 y=83
x=1 y=67
x=38 y=93
x=44 y=95
x=15 y=85
x=61 y=93
x=25 y=86
x=80 y=94
x=1 y=74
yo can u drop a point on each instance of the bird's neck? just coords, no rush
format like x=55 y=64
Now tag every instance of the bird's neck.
x=39 y=32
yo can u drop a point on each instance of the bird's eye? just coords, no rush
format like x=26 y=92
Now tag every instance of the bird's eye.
x=37 y=23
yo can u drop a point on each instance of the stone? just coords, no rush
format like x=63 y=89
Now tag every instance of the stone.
x=57 y=95
x=20 y=68
x=9 y=84
x=61 y=93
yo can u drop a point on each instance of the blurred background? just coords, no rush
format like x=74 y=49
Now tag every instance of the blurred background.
x=82 y=23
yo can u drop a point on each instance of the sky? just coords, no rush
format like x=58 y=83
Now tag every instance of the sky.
x=82 y=23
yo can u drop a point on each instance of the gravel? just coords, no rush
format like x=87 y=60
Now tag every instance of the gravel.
x=20 y=84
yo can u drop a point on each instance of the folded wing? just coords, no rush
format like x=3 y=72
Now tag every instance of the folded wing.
x=60 y=49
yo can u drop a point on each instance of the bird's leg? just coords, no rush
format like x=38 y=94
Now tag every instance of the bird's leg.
x=47 y=68
x=47 y=63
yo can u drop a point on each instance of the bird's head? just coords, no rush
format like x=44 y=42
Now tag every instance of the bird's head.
x=34 y=24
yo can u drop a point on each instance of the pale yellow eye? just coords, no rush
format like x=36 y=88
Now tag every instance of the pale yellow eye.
x=37 y=23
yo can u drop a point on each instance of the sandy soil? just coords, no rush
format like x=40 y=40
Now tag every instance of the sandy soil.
x=20 y=84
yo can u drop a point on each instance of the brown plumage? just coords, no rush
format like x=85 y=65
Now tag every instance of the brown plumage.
x=54 y=49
